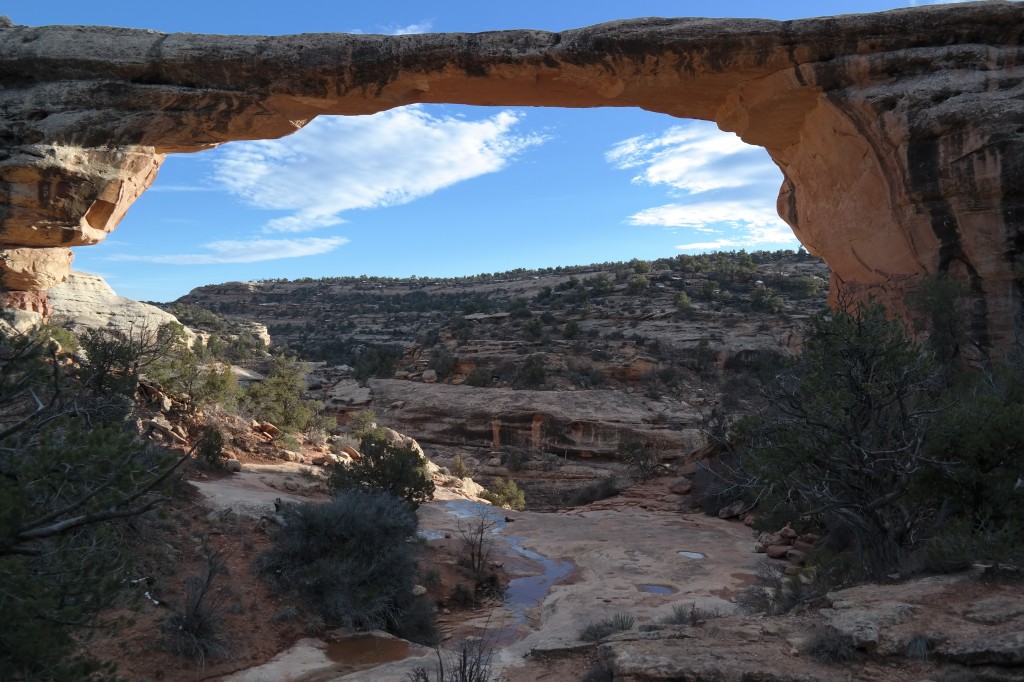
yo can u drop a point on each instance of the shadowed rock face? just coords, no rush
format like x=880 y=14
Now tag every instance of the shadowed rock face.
x=900 y=134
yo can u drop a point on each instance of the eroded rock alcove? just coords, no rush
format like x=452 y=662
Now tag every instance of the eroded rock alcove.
x=900 y=134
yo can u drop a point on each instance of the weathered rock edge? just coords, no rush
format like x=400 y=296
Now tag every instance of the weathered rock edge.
x=900 y=134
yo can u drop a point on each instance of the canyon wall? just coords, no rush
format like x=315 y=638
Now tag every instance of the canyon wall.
x=900 y=134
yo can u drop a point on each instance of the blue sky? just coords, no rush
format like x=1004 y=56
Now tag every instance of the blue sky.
x=436 y=190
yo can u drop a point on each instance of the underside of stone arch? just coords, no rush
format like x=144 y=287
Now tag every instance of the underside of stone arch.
x=900 y=134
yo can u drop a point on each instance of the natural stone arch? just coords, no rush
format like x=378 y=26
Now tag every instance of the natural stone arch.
x=900 y=134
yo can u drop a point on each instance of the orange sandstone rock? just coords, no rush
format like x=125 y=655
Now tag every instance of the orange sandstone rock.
x=899 y=133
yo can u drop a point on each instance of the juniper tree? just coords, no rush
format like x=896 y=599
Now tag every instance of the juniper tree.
x=845 y=437
x=69 y=474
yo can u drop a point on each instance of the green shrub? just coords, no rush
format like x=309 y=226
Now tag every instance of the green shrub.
x=831 y=646
x=805 y=287
x=479 y=377
x=767 y=300
x=376 y=361
x=846 y=435
x=314 y=625
x=982 y=435
x=349 y=560
x=70 y=476
x=594 y=632
x=641 y=461
x=692 y=615
x=919 y=647
x=459 y=468
x=506 y=494
x=69 y=343
x=195 y=629
x=288 y=441
x=443 y=363
x=362 y=423
x=278 y=398
x=514 y=459
x=390 y=467
x=638 y=285
x=532 y=374
x=210 y=446
x=432 y=577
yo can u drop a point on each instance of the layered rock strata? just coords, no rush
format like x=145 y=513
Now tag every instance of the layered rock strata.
x=900 y=134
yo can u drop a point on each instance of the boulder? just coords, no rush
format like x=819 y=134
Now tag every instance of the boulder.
x=232 y=465
x=14 y=321
x=1005 y=649
x=680 y=486
x=867 y=625
x=350 y=451
x=996 y=610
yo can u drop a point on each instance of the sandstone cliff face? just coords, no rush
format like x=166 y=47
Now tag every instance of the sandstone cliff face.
x=86 y=301
x=900 y=134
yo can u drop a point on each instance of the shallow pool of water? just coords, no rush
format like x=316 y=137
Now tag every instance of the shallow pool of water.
x=525 y=593
x=657 y=589
x=691 y=555
x=467 y=509
x=362 y=651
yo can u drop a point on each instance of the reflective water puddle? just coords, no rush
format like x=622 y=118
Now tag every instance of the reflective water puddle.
x=362 y=651
x=523 y=593
x=691 y=555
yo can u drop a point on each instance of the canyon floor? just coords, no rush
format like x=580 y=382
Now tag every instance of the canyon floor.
x=463 y=384
x=636 y=555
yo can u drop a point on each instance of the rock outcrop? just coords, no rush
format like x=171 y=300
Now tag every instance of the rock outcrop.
x=578 y=424
x=86 y=301
x=900 y=134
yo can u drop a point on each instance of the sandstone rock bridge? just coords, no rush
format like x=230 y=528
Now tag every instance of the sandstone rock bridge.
x=900 y=134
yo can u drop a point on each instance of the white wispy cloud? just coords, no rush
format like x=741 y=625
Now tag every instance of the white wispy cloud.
x=342 y=163
x=243 y=251
x=420 y=27
x=693 y=158
x=716 y=183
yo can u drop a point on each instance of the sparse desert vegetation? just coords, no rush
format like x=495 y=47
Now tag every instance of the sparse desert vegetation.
x=862 y=449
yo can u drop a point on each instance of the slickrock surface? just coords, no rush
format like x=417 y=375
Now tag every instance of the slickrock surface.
x=900 y=134
x=86 y=301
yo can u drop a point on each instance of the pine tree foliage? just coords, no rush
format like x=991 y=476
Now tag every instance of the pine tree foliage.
x=845 y=438
x=70 y=473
